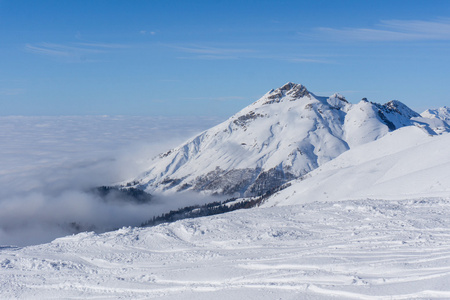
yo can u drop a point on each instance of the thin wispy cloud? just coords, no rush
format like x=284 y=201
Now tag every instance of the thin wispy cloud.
x=145 y=32
x=46 y=50
x=300 y=58
x=209 y=57
x=392 y=30
x=211 y=50
x=224 y=53
x=60 y=49
x=72 y=52
x=307 y=60
x=225 y=98
x=103 y=45
x=210 y=53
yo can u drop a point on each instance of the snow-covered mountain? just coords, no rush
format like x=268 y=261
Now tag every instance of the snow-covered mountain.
x=439 y=119
x=405 y=164
x=442 y=113
x=282 y=136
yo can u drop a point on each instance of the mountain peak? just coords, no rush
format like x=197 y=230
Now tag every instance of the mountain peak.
x=442 y=113
x=339 y=96
x=399 y=107
x=288 y=86
x=337 y=101
x=292 y=90
x=295 y=90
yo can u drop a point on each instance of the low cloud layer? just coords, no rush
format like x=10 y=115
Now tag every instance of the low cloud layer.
x=50 y=164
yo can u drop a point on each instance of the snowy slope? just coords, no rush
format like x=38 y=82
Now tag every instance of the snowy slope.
x=346 y=250
x=405 y=163
x=282 y=136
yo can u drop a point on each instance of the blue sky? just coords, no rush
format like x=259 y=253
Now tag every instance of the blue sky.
x=188 y=58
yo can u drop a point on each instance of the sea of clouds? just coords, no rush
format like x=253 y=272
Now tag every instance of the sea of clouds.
x=49 y=165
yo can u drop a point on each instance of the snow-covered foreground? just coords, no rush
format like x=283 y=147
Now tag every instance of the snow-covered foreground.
x=371 y=249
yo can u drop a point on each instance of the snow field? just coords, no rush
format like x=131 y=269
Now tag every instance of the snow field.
x=361 y=249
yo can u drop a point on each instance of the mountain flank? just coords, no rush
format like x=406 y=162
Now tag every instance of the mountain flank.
x=284 y=135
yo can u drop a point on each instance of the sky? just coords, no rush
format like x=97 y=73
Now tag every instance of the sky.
x=213 y=58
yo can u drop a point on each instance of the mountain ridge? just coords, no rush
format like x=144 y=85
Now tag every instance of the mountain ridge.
x=285 y=134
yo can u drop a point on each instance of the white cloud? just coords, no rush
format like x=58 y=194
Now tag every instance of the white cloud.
x=48 y=164
x=307 y=60
x=227 y=98
x=145 y=32
x=78 y=52
x=211 y=50
x=211 y=53
x=48 y=50
x=209 y=57
x=103 y=46
x=229 y=53
x=393 y=30
x=66 y=53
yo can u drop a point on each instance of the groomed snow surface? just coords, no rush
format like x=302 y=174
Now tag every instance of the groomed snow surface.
x=362 y=249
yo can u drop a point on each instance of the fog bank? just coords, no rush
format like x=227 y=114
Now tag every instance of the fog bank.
x=48 y=165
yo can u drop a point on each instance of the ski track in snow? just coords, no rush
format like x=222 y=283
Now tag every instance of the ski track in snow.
x=360 y=249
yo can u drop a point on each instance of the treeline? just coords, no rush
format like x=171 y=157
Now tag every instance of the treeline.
x=116 y=194
x=213 y=208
